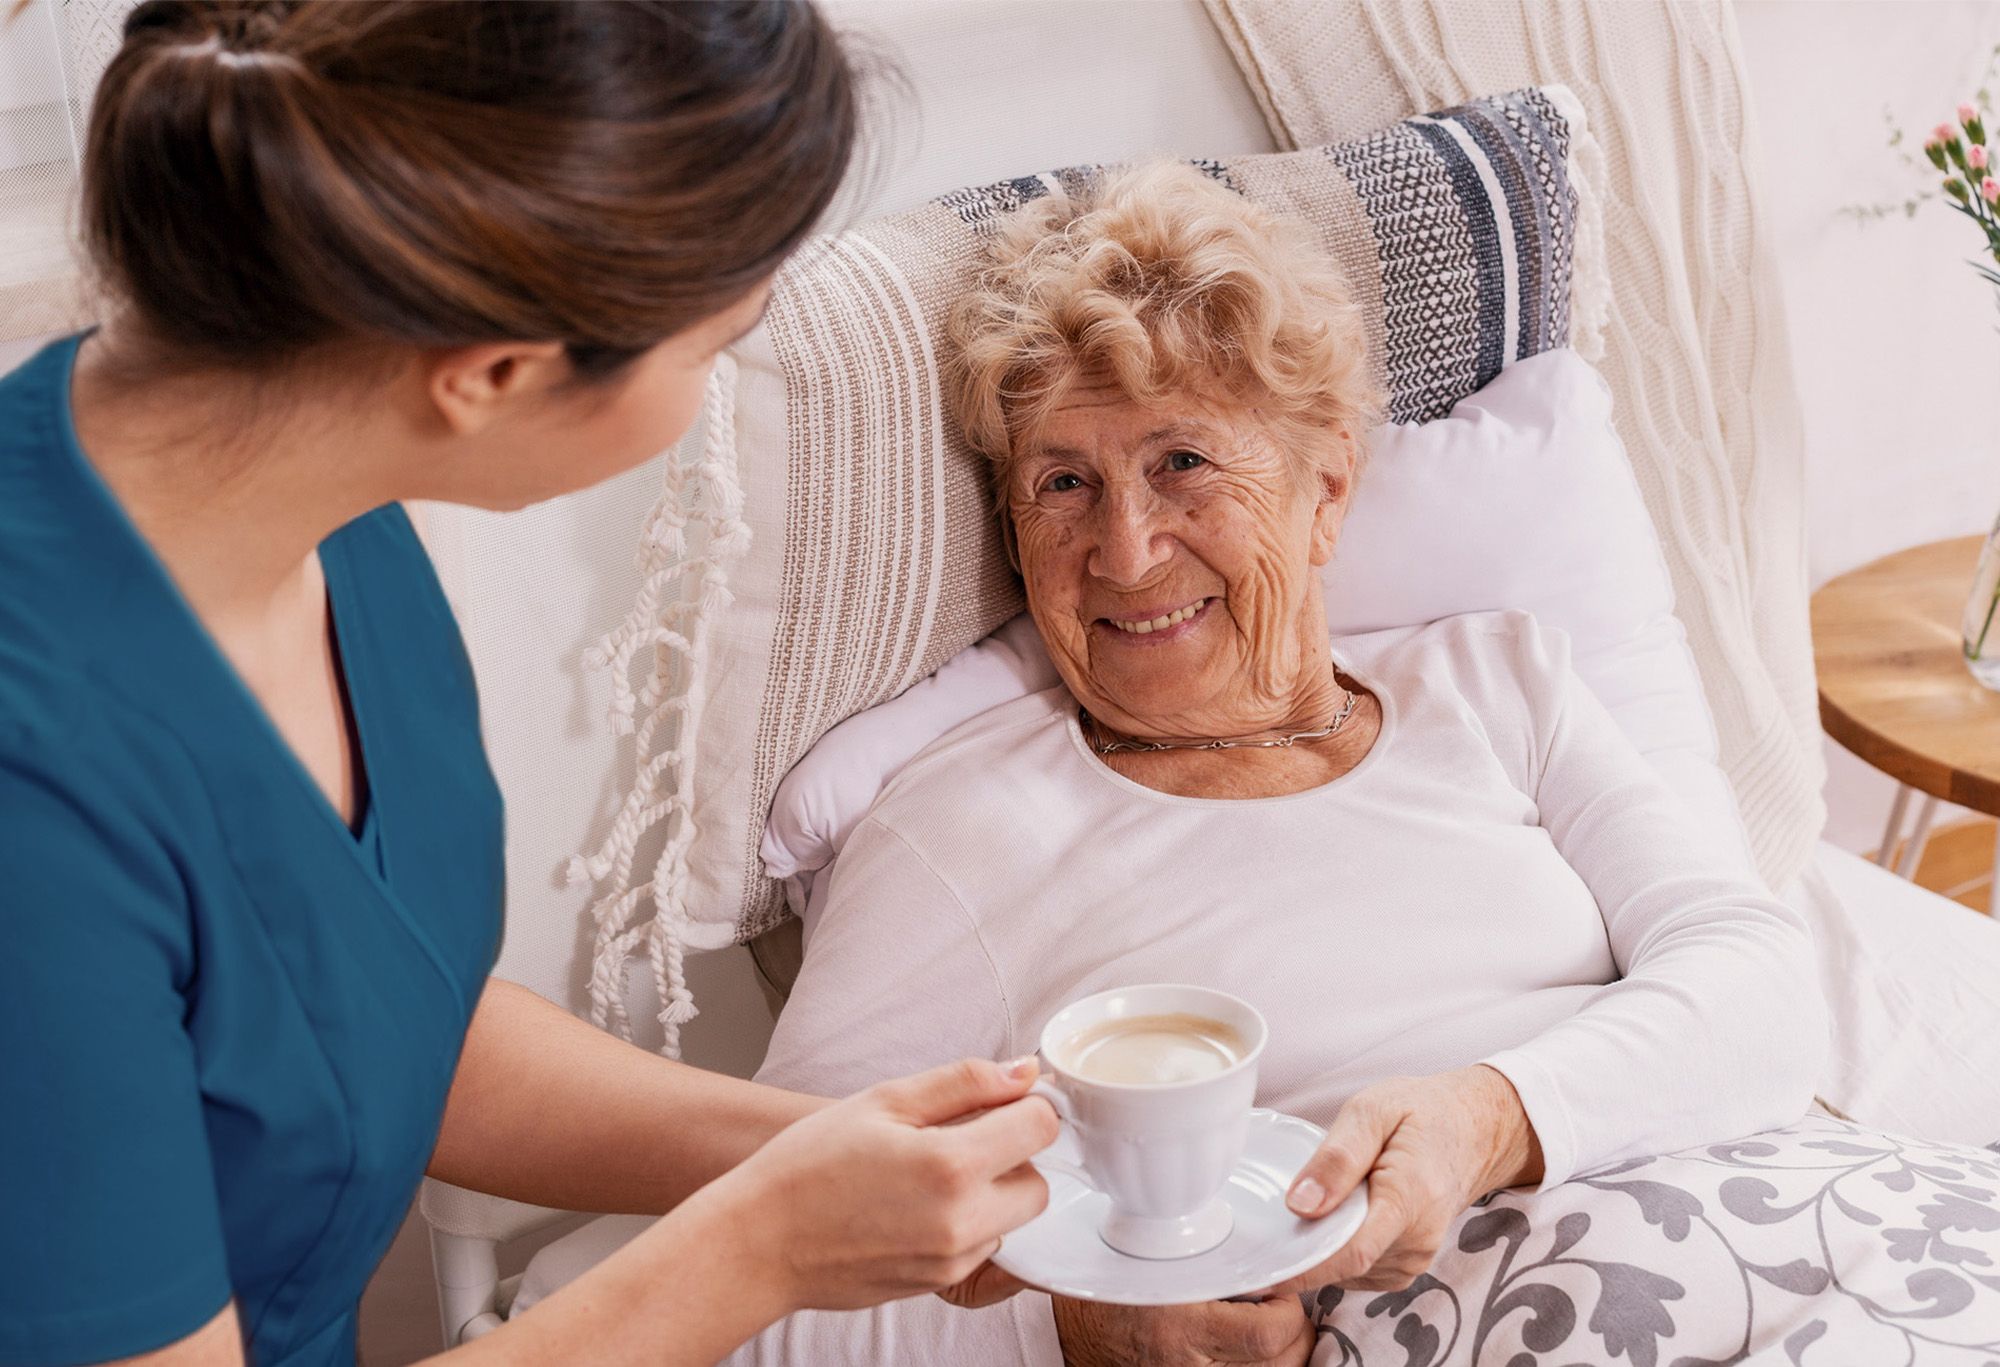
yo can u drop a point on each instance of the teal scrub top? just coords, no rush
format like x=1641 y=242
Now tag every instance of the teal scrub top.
x=227 y=1021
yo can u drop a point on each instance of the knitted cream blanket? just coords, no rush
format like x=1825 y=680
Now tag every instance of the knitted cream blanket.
x=1694 y=344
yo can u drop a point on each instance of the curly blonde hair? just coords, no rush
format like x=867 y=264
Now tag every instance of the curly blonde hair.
x=1168 y=284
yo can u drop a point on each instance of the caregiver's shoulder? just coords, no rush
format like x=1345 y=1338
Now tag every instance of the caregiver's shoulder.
x=65 y=738
x=45 y=705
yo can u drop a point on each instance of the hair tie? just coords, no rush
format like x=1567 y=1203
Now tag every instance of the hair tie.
x=235 y=35
x=218 y=48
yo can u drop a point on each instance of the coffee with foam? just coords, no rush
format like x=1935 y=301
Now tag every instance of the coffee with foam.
x=1157 y=1050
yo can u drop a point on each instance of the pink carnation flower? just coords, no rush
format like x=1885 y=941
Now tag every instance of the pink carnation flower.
x=1944 y=132
x=1989 y=190
x=1975 y=157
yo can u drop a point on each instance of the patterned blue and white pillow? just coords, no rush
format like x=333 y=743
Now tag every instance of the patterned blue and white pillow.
x=1470 y=220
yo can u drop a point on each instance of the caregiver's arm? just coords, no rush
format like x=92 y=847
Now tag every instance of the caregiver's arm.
x=873 y=1197
x=895 y=978
x=546 y=1108
x=870 y=1198
x=1716 y=1027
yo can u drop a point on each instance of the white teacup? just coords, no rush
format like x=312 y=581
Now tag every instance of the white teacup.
x=1160 y=1150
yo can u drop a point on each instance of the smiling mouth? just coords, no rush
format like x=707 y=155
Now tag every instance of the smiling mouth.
x=1146 y=626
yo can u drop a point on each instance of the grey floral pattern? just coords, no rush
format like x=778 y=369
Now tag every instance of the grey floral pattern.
x=1823 y=1244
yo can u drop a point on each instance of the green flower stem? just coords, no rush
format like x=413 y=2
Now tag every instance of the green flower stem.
x=1982 y=212
x=1978 y=651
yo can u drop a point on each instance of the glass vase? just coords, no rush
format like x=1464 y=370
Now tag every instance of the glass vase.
x=1981 y=626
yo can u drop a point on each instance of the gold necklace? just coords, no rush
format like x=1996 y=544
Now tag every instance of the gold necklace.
x=1112 y=747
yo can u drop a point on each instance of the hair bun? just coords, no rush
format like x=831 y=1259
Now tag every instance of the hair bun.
x=236 y=26
x=266 y=177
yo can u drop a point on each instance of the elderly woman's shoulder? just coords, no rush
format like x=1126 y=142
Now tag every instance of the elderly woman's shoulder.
x=1504 y=656
x=996 y=752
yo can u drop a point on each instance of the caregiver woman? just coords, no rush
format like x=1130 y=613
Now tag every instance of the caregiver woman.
x=353 y=255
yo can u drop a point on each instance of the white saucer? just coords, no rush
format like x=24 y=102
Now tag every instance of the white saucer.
x=1061 y=1251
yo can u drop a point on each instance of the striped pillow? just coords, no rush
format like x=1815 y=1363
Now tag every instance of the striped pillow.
x=849 y=529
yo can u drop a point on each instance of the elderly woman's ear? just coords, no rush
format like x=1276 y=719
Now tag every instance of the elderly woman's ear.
x=1336 y=481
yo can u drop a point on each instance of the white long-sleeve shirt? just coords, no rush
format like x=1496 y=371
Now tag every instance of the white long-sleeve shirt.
x=1502 y=878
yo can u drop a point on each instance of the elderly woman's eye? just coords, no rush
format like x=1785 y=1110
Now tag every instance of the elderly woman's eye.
x=1063 y=483
x=1185 y=460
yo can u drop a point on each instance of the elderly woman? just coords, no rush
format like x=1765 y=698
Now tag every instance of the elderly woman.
x=1490 y=945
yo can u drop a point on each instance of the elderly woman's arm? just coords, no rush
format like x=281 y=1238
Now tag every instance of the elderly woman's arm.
x=1717 y=1026
x=1714 y=1028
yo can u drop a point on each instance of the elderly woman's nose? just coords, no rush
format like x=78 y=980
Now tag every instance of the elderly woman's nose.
x=1132 y=539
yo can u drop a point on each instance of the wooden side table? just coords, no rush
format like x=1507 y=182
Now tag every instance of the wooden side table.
x=1893 y=687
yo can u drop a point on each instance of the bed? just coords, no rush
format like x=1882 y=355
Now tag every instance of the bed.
x=999 y=87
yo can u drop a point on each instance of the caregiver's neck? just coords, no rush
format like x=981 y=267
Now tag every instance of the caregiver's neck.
x=235 y=480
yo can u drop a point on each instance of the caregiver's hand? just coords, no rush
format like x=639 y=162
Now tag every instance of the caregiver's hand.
x=878 y=1196
x=1428 y=1148
x=1270 y=1331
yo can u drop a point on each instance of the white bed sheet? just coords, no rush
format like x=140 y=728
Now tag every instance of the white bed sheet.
x=1913 y=987
x=1913 y=981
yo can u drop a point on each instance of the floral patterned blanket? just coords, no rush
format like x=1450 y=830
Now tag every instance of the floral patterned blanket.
x=1823 y=1244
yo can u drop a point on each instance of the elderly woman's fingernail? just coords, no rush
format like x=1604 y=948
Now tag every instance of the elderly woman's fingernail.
x=1020 y=1068
x=1306 y=1196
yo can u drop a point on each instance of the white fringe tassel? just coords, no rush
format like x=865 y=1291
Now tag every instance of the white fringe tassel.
x=653 y=916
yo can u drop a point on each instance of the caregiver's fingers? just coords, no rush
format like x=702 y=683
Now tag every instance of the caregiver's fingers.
x=1019 y=1196
x=1353 y=1142
x=1003 y=1138
x=945 y=1093
x=1009 y=1201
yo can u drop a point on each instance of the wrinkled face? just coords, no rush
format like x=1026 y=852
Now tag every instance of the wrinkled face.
x=1170 y=557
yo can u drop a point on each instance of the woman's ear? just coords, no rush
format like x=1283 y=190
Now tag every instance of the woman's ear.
x=472 y=386
x=1336 y=487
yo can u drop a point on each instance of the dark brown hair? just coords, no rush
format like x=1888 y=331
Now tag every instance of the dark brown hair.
x=264 y=177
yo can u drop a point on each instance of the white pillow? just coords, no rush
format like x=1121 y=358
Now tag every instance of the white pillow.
x=1521 y=498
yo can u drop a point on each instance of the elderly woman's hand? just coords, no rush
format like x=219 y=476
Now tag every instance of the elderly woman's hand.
x=988 y=1285
x=1428 y=1147
x=1274 y=1330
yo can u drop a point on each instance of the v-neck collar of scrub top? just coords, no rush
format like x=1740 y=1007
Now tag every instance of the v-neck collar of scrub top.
x=184 y=663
